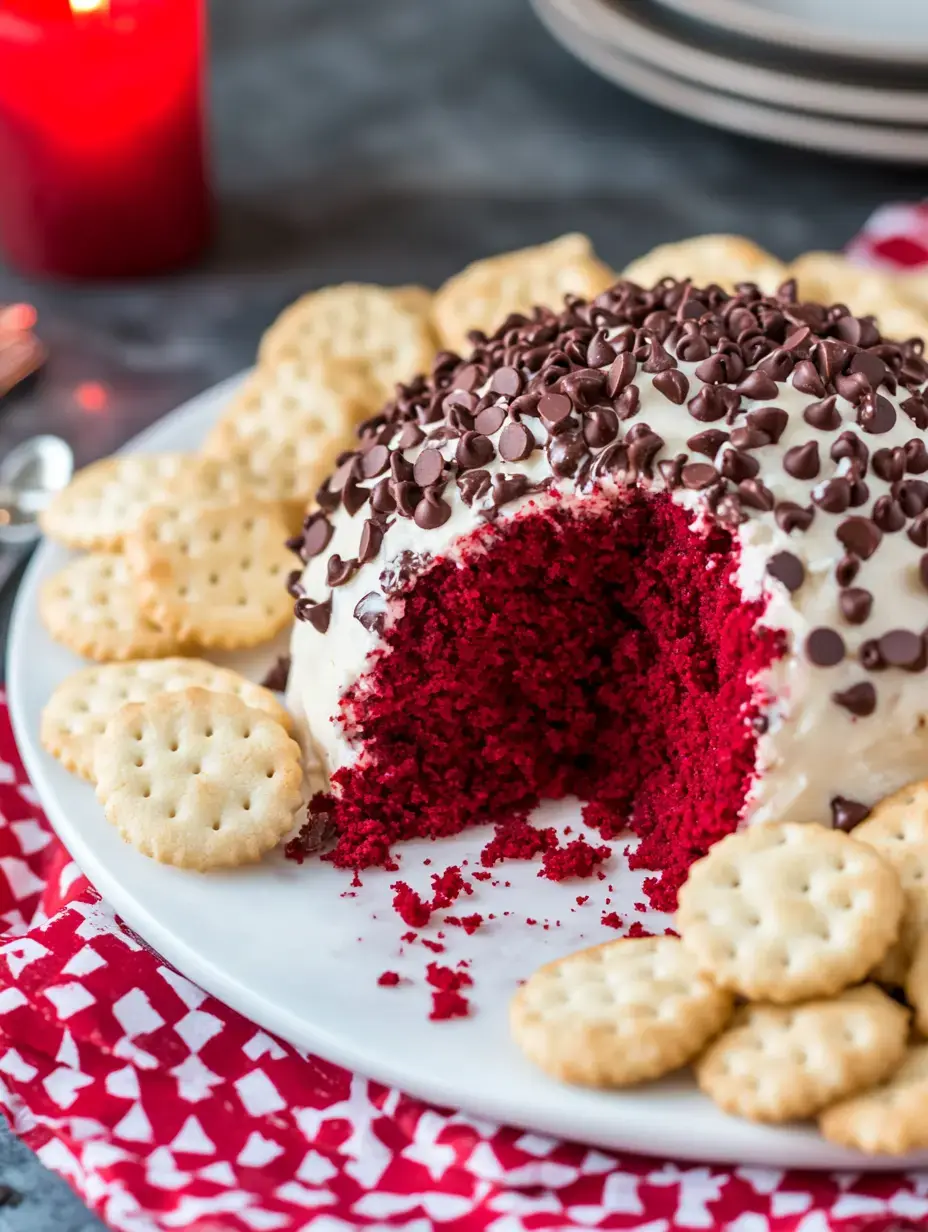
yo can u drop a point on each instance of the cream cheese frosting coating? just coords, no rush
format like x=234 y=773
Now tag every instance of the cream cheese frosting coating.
x=795 y=425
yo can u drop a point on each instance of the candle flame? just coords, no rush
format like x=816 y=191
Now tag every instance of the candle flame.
x=89 y=6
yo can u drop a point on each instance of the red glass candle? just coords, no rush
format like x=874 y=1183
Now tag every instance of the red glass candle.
x=102 y=171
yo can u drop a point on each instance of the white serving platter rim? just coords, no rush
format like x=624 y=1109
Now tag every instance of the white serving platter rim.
x=280 y=944
x=786 y=23
x=621 y=24
x=833 y=136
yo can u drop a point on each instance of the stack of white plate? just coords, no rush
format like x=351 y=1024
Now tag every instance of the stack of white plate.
x=846 y=76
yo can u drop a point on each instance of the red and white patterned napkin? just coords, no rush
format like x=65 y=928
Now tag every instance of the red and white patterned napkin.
x=165 y=1110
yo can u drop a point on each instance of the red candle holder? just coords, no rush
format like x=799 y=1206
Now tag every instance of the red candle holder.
x=102 y=165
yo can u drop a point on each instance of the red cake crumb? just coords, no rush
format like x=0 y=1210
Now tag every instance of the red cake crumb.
x=435 y=946
x=517 y=841
x=637 y=929
x=409 y=906
x=410 y=937
x=582 y=898
x=470 y=923
x=447 y=886
x=530 y=921
x=388 y=979
x=611 y=919
x=446 y=979
x=447 y=1005
x=600 y=650
x=577 y=859
x=481 y=876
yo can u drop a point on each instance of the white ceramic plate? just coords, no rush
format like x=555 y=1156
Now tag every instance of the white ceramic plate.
x=879 y=142
x=625 y=26
x=891 y=31
x=291 y=948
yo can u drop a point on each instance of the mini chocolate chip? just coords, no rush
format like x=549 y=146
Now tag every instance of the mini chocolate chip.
x=407 y=496
x=431 y=511
x=847 y=569
x=474 y=449
x=458 y=400
x=674 y=385
x=876 y=414
x=508 y=488
x=317 y=614
x=918 y=531
x=473 y=485
x=806 y=379
x=736 y=465
x=823 y=414
x=859 y=699
x=758 y=386
x=708 y=443
x=889 y=464
x=339 y=571
x=802 y=461
x=708 y=404
x=916 y=408
x=467 y=378
x=856 y=604
x=692 y=348
x=788 y=569
x=565 y=453
x=778 y=364
x=428 y=467
x=720 y=368
x=755 y=495
x=317 y=531
x=902 y=648
x=853 y=386
x=658 y=359
x=846 y=814
x=749 y=438
x=699 y=475
x=642 y=448
x=912 y=495
x=923 y=569
x=555 y=410
x=354 y=496
x=382 y=500
x=600 y=426
x=824 y=647
x=490 y=420
x=599 y=353
x=344 y=471
x=860 y=536
x=870 y=365
x=621 y=374
x=834 y=496
x=771 y=420
x=327 y=499
x=375 y=461
x=797 y=338
x=507 y=381
x=371 y=612
x=371 y=539
x=870 y=656
x=626 y=405
x=849 y=445
x=916 y=456
x=860 y=493
x=887 y=515
x=671 y=470
x=790 y=516
x=516 y=442
x=400 y=467
x=276 y=677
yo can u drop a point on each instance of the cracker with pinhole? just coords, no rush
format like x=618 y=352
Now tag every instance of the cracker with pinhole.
x=784 y=913
x=103 y=502
x=830 y=278
x=897 y=828
x=92 y=606
x=214 y=575
x=784 y=1062
x=385 y=333
x=80 y=708
x=916 y=983
x=722 y=259
x=891 y=1119
x=484 y=294
x=616 y=1014
x=287 y=425
x=198 y=779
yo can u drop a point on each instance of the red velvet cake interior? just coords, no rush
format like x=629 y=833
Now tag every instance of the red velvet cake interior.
x=599 y=650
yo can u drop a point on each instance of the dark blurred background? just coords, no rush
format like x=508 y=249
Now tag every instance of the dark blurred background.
x=394 y=142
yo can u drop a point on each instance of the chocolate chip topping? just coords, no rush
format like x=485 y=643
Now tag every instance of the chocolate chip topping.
x=317 y=531
x=825 y=647
x=888 y=515
x=431 y=511
x=791 y=516
x=860 y=536
x=554 y=409
x=771 y=420
x=516 y=442
x=876 y=414
x=490 y=420
x=473 y=450
x=708 y=443
x=903 y=648
x=856 y=605
x=339 y=571
x=508 y=381
x=802 y=461
x=473 y=485
x=317 y=614
x=699 y=475
x=823 y=414
x=375 y=461
x=834 y=496
x=846 y=814
x=277 y=676
x=674 y=385
x=859 y=699
x=428 y=467
x=788 y=569
x=411 y=436
x=621 y=374
x=371 y=539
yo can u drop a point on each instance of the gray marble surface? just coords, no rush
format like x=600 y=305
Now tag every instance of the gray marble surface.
x=396 y=141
